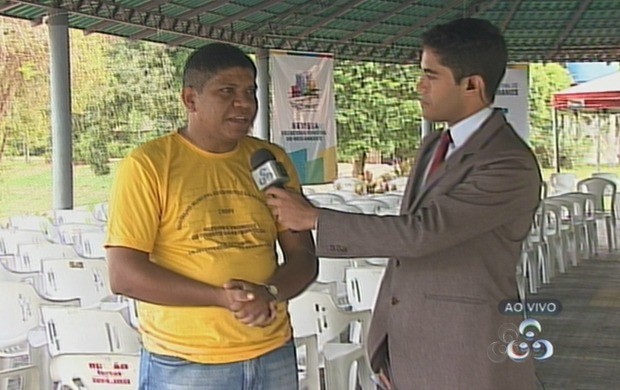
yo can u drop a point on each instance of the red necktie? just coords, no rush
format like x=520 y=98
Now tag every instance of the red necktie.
x=440 y=153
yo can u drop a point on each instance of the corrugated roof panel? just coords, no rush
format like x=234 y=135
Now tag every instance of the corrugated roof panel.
x=535 y=29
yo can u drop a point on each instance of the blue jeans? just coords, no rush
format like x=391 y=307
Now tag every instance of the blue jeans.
x=276 y=370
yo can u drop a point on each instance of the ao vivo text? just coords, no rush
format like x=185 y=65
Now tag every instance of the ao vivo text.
x=549 y=307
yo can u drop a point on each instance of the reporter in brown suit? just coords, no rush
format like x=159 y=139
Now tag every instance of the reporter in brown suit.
x=456 y=243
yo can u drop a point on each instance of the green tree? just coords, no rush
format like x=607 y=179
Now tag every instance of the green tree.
x=376 y=107
x=544 y=81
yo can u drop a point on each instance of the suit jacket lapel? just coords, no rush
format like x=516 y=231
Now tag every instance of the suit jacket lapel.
x=476 y=142
x=417 y=172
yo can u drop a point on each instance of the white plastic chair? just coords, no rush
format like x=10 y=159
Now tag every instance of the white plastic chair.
x=605 y=192
x=71 y=279
x=24 y=377
x=346 y=194
x=28 y=222
x=363 y=286
x=10 y=239
x=21 y=335
x=95 y=372
x=370 y=205
x=72 y=330
x=100 y=211
x=77 y=216
x=324 y=198
x=68 y=233
x=569 y=227
x=331 y=278
x=308 y=362
x=307 y=190
x=29 y=256
x=316 y=313
x=89 y=244
x=586 y=237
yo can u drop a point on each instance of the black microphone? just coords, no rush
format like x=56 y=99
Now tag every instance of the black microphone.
x=267 y=171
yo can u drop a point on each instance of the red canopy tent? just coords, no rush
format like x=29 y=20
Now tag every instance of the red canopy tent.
x=600 y=94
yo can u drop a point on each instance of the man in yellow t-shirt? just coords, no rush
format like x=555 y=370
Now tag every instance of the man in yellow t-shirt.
x=191 y=238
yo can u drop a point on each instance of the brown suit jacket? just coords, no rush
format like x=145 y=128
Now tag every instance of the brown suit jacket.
x=453 y=250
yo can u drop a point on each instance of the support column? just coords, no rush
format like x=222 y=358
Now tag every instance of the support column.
x=261 y=124
x=556 y=139
x=60 y=96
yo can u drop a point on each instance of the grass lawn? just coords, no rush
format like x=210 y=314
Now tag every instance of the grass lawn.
x=27 y=187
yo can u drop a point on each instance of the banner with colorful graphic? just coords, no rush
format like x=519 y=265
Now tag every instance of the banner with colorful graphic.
x=303 y=114
x=512 y=98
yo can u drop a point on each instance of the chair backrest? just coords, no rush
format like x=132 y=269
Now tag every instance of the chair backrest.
x=346 y=194
x=95 y=372
x=69 y=279
x=73 y=330
x=601 y=188
x=307 y=190
x=324 y=198
x=369 y=205
x=19 y=305
x=363 y=286
x=308 y=358
x=100 y=211
x=28 y=222
x=607 y=175
x=316 y=313
x=332 y=269
x=29 y=256
x=61 y=217
x=70 y=232
x=89 y=244
x=10 y=239
x=24 y=377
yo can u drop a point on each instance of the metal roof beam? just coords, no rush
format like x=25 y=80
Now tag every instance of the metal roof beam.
x=197 y=11
x=331 y=17
x=511 y=14
x=246 y=12
x=571 y=24
x=383 y=17
x=142 y=8
x=423 y=22
x=7 y=6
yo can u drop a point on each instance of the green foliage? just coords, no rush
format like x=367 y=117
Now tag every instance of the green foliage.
x=377 y=109
x=545 y=80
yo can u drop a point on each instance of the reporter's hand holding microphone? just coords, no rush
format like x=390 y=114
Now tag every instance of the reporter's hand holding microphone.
x=290 y=208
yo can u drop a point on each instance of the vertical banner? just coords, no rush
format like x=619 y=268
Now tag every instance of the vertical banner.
x=303 y=112
x=512 y=98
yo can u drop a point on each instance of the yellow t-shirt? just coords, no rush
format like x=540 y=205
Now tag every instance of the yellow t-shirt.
x=201 y=215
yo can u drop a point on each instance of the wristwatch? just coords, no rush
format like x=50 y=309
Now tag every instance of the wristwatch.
x=272 y=290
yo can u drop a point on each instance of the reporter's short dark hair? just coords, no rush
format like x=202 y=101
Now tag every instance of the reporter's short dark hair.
x=469 y=47
x=210 y=59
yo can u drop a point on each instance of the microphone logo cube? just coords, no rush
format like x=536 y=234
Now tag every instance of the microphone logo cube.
x=265 y=176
